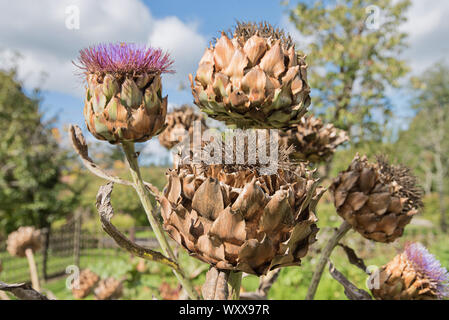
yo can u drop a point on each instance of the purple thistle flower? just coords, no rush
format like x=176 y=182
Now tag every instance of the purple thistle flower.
x=124 y=58
x=426 y=263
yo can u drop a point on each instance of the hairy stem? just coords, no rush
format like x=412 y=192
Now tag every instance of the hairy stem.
x=33 y=269
x=331 y=244
x=144 y=196
x=80 y=146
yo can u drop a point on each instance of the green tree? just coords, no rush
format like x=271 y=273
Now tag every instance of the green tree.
x=353 y=61
x=425 y=145
x=31 y=162
x=125 y=199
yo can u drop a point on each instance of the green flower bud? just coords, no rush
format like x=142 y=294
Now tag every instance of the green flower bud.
x=131 y=96
x=112 y=108
x=98 y=100
x=119 y=76
x=156 y=87
x=91 y=83
x=142 y=80
x=102 y=129
x=110 y=86
x=151 y=101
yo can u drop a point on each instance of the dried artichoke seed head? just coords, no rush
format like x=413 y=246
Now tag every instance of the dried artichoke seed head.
x=313 y=140
x=179 y=122
x=87 y=281
x=123 y=99
x=168 y=293
x=415 y=274
x=377 y=199
x=22 y=239
x=252 y=78
x=109 y=289
x=235 y=218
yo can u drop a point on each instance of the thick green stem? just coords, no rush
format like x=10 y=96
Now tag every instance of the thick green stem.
x=331 y=244
x=234 y=282
x=144 y=196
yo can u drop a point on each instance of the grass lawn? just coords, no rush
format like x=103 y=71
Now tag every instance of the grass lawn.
x=291 y=284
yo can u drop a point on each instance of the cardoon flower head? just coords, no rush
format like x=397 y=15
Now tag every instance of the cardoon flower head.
x=124 y=58
x=414 y=274
x=124 y=95
x=377 y=199
x=428 y=265
x=252 y=78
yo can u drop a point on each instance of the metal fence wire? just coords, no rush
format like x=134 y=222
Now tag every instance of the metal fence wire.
x=65 y=246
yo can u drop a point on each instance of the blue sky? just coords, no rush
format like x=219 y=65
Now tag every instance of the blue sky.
x=38 y=30
x=215 y=15
x=208 y=17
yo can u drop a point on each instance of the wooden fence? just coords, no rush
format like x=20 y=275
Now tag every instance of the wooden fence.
x=71 y=245
x=65 y=246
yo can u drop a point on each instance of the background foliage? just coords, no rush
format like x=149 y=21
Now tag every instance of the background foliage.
x=351 y=69
x=31 y=161
x=351 y=64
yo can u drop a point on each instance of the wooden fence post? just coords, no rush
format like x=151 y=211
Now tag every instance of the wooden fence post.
x=77 y=237
x=46 y=232
x=132 y=233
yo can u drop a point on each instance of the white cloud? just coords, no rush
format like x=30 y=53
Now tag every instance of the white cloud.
x=37 y=29
x=183 y=42
x=424 y=18
x=41 y=25
x=428 y=29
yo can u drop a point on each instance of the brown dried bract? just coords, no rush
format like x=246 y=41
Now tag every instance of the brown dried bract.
x=400 y=280
x=180 y=123
x=109 y=289
x=246 y=30
x=253 y=80
x=313 y=140
x=121 y=109
x=22 y=239
x=87 y=281
x=234 y=218
x=377 y=199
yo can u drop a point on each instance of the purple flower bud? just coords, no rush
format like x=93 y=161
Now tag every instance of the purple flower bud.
x=426 y=263
x=124 y=58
